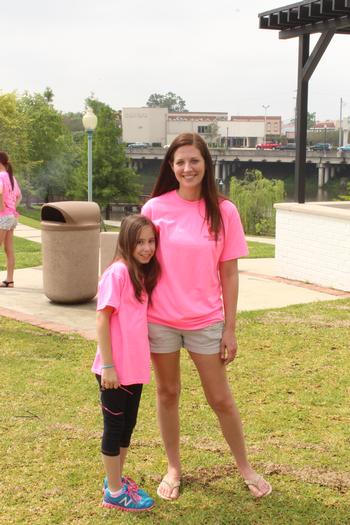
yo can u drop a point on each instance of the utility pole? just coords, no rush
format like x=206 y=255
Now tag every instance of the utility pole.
x=265 y=108
x=341 y=123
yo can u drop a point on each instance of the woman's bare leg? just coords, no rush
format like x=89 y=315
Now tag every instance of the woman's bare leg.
x=218 y=394
x=167 y=372
x=10 y=255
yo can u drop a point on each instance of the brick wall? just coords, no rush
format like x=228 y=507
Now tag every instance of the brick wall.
x=314 y=248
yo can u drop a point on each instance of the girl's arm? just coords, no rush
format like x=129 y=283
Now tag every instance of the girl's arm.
x=229 y=285
x=2 y=206
x=109 y=377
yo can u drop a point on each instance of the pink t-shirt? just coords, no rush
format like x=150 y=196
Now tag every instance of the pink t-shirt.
x=188 y=294
x=128 y=326
x=10 y=195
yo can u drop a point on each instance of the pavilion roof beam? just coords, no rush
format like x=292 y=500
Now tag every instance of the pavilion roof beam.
x=316 y=55
x=335 y=24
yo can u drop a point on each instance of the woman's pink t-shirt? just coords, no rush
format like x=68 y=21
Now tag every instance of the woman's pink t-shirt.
x=188 y=293
x=10 y=195
x=128 y=326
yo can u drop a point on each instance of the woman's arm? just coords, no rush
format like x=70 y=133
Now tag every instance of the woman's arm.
x=109 y=378
x=229 y=285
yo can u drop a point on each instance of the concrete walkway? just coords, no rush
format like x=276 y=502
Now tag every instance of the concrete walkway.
x=260 y=288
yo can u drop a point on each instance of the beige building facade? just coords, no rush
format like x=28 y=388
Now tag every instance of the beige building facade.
x=158 y=127
x=145 y=125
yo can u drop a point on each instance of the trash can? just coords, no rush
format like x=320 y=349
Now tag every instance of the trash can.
x=70 y=233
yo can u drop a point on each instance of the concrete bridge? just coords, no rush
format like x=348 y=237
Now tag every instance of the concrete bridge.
x=226 y=161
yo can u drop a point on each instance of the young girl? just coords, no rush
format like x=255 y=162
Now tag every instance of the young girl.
x=122 y=362
x=10 y=196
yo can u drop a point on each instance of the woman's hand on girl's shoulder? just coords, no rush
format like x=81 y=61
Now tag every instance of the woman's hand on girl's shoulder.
x=109 y=378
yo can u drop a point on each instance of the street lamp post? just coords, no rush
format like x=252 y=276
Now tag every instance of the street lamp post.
x=266 y=107
x=89 y=123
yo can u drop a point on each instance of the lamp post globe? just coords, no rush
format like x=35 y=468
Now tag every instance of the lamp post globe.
x=89 y=123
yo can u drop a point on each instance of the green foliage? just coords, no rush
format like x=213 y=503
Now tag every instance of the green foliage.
x=212 y=135
x=113 y=180
x=323 y=136
x=254 y=197
x=346 y=197
x=27 y=253
x=169 y=100
x=45 y=166
x=14 y=137
x=73 y=121
x=311 y=120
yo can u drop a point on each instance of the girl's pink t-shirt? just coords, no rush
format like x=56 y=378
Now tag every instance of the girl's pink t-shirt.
x=10 y=195
x=188 y=293
x=128 y=326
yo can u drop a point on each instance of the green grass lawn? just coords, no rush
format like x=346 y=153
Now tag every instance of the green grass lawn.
x=291 y=383
x=260 y=250
x=28 y=254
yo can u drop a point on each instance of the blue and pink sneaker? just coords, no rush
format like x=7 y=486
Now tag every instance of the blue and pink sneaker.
x=128 y=500
x=128 y=481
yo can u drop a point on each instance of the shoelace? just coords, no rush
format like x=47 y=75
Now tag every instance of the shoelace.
x=130 y=482
x=132 y=493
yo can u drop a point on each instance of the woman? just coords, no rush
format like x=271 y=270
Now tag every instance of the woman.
x=201 y=238
x=10 y=196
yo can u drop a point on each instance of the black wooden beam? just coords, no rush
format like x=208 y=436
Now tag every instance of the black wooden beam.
x=301 y=124
x=317 y=27
x=316 y=54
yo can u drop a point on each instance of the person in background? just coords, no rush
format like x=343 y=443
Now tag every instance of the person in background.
x=194 y=303
x=122 y=361
x=10 y=197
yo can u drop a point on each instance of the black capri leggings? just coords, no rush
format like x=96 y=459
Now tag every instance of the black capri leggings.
x=119 y=409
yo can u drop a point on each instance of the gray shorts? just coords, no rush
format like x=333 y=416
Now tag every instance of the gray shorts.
x=165 y=339
x=8 y=222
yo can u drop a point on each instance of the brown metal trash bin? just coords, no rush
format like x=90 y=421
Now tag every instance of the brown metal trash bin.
x=70 y=234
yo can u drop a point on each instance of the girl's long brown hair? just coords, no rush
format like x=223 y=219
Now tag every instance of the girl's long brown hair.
x=4 y=159
x=143 y=276
x=167 y=181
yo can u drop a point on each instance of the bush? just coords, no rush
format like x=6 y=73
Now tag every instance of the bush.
x=254 y=197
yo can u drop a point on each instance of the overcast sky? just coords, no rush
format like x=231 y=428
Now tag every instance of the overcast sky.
x=212 y=54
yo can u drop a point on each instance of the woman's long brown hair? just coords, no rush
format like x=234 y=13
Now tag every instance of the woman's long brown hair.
x=167 y=181
x=143 y=276
x=4 y=159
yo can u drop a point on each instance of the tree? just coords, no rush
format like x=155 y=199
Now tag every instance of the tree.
x=169 y=100
x=49 y=140
x=48 y=95
x=113 y=180
x=13 y=124
x=311 y=120
x=254 y=197
x=212 y=134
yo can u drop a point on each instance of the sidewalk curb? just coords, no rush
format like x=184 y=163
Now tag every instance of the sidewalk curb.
x=46 y=325
x=300 y=284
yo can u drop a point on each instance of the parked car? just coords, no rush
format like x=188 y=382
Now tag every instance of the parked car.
x=346 y=147
x=136 y=145
x=288 y=146
x=268 y=145
x=321 y=146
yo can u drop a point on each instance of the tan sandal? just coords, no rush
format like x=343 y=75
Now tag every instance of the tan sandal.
x=255 y=483
x=172 y=486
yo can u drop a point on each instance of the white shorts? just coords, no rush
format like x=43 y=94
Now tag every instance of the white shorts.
x=165 y=339
x=8 y=222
